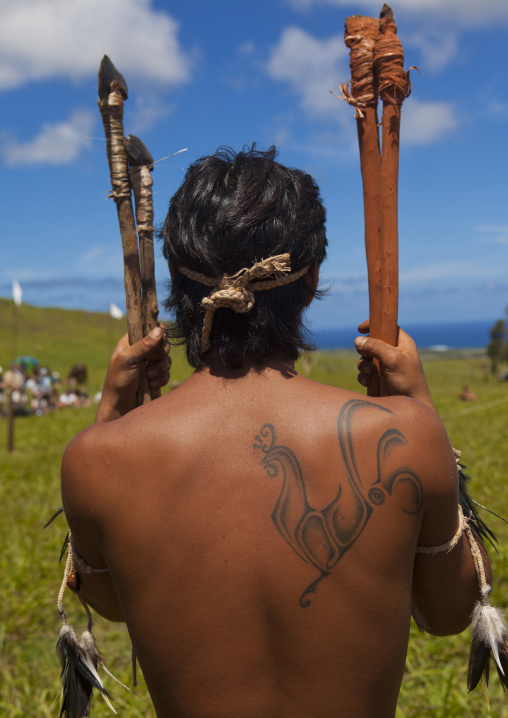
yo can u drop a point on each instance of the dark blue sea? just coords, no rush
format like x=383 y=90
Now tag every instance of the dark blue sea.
x=440 y=336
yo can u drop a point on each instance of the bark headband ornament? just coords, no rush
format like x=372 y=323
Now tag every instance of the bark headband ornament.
x=237 y=292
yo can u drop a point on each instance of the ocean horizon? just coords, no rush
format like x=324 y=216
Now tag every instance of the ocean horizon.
x=440 y=336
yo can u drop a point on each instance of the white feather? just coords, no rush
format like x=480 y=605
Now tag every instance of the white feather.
x=489 y=627
x=91 y=658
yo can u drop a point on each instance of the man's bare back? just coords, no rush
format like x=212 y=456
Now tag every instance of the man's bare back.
x=260 y=529
x=260 y=533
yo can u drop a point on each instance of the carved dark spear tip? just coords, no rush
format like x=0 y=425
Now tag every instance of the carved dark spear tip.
x=137 y=151
x=386 y=12
x=110 y=80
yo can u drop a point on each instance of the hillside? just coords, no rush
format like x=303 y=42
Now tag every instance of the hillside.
x=59 y=338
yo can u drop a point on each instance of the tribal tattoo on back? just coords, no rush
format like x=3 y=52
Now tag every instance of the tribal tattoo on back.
x=322 y=536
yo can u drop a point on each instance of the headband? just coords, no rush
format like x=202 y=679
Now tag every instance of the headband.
x=236 y=292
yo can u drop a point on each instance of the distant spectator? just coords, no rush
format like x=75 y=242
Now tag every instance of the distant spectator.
x=466 y=394
x=79 y=373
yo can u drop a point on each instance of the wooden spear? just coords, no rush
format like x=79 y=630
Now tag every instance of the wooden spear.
x=112 y=93
x=394 y=87
x=360 y=35
x=376 y=61
x=140 y=172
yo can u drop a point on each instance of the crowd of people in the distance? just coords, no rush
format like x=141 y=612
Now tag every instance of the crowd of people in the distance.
x=36 y=390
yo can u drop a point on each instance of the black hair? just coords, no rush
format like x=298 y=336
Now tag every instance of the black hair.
x=232 y=210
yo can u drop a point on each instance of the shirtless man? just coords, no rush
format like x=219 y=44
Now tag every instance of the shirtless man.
x=260 y=529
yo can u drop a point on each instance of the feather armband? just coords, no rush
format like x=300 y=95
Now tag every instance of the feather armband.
x=79 y=657
x=489 y=631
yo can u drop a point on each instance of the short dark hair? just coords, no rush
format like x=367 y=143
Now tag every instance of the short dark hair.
x=232 y=210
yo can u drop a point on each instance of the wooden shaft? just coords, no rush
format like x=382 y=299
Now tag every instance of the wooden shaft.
x=140 y=173
x=389 y=221
x=111 y=108
x=141 y=181
x=10 y=420
x=360 y=35
x=393 y=89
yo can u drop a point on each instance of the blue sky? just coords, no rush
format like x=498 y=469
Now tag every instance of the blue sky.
x=203 y=74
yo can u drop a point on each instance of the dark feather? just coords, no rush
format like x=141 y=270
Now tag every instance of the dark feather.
x=53 y=517
x=470 y=512
x=503 y=658
x=78 y=680
x=479 y=664
x=64 y=547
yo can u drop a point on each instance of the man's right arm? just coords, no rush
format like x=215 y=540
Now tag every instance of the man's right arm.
x=445 y=585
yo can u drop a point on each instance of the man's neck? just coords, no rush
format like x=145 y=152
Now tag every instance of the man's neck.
x=279 y=363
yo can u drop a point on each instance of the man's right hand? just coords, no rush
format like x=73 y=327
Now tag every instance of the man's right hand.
x=401 y=366
x=150 y=354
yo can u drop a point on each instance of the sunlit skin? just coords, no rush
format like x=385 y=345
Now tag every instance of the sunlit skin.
x=269 y=572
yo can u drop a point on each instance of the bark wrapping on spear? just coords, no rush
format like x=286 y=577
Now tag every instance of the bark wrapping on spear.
x=112 y=93
x=394 y=87
x=360 y=35
x=140 y=173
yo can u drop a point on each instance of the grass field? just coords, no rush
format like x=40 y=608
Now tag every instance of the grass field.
x=435 y=678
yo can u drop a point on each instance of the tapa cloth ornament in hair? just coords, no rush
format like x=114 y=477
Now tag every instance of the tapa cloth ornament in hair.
x=236 y=292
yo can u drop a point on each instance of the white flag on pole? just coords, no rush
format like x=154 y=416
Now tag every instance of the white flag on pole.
x=17 y=292
x=115 y=311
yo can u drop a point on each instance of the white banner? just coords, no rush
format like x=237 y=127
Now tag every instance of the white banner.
x=115 y=311
x=16 y=292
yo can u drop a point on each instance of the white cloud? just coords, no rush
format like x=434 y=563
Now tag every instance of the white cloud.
x=456 y=269
x=148 y=110
x=100 y=261
x=437 y=48
x=464 y=13
x=424 y=122
x=56 y=144
x=45 y=39
x=493 y=233
x=312 y=67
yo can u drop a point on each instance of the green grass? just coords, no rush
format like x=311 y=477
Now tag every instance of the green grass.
x=435 y=678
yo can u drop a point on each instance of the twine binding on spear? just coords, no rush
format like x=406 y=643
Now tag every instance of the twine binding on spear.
x=236 y=292
x=364 y=92
x=140 y=173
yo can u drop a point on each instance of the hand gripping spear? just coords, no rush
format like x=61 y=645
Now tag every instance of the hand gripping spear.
x=112 y=93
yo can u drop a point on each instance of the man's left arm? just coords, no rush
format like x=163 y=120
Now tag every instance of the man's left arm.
x=85 y=464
